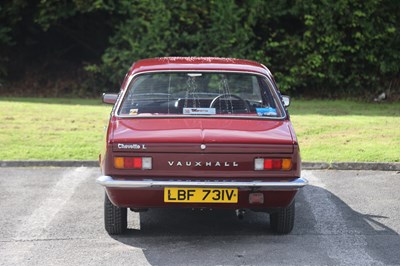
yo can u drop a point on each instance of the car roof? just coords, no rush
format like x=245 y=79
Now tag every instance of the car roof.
x=198 y=64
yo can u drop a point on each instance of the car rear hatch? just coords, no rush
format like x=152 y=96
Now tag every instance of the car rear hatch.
x=202 y=148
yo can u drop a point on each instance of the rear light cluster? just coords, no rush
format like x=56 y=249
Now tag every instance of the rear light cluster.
x=142 y=163
x=272 y=164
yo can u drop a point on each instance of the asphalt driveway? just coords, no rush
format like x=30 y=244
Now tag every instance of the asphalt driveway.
x=54 y=216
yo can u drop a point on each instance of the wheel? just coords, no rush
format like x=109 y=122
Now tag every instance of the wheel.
x=282 y=221
x=229 y=104
x=115 y=218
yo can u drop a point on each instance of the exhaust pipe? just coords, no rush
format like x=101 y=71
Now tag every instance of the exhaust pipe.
x=240 y=214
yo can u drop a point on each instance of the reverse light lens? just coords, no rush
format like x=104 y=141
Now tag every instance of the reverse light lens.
x=258 y=164
x=272 y=164
x=143 y=163
x=147 y=163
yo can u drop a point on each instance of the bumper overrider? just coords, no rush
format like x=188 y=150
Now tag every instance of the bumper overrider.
x=109 y=182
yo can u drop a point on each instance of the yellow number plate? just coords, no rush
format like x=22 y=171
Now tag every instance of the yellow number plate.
x=201 y=195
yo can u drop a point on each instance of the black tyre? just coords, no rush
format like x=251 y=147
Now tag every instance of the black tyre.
x=282 y=221
x=115 y=218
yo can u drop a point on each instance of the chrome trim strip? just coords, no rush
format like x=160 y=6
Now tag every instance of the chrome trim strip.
x=108 y=181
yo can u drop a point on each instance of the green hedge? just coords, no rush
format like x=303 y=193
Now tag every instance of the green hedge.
x=320 y=48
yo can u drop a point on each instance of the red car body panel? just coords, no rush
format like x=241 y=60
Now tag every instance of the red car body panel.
x=195 y=64
x=153 y=198
x=233 y=142
x=198 y=64
x=197 y=130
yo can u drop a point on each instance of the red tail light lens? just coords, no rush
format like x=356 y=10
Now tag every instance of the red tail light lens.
x=143 y=163
x=272 y=164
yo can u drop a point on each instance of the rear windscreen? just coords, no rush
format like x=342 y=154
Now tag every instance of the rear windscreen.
x=198 y=93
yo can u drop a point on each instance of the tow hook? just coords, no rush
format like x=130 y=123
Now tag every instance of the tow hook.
x=240 y=213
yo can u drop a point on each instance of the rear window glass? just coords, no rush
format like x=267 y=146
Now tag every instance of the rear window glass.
x=196 y=93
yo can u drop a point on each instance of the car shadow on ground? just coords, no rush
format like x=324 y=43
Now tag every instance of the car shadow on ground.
x=187 y=222
x=167 y=236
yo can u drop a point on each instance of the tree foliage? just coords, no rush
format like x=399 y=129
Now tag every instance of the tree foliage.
x=320 y=48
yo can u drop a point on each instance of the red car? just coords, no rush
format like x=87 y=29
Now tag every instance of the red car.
x=197 y=132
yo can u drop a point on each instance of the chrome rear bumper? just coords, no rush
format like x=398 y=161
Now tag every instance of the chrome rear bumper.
x=109 y=182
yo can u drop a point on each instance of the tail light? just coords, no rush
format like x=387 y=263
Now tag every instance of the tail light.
x=142 y=163
x=272 y=164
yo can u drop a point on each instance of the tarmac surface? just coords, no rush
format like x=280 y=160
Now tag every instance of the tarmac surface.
x=54 y=216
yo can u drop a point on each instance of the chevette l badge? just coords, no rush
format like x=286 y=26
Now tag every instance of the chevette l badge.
x=132 y=146
x=200 y=164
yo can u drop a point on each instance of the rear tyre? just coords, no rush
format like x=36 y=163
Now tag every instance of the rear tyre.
x=115 y=218
x=282 y=221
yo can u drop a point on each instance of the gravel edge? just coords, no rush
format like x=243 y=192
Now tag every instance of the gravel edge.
x=390 y=166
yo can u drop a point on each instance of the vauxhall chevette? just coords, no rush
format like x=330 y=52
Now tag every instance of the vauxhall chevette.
x=201 y=133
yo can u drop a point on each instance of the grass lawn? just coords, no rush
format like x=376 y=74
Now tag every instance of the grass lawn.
x=328 y=131
x=344 y=131
x=51 y=129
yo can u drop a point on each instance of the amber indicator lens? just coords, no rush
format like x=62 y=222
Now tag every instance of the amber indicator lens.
x=286 y=164
x=119 y=162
